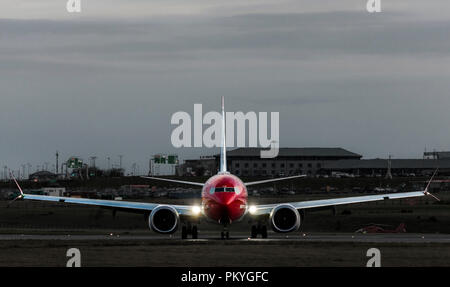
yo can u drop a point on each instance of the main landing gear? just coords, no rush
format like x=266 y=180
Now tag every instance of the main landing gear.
x=189 y=230
x=259 y=229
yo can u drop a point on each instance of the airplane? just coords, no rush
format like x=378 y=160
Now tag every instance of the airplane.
x=381 y=228
x=224 y=200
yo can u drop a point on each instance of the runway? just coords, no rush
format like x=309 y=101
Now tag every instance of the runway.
x=149 y=249
x=212 y=238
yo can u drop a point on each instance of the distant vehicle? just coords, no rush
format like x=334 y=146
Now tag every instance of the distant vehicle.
x=287 y=191
x=378 y=228
x=255 y=193
x=337 y=174
x=224 y=200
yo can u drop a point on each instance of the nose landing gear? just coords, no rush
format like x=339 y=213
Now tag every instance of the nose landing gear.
x=225 y=234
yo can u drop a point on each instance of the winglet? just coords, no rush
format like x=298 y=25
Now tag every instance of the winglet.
x=18 y=186
x=426 y=192
x=20 y=189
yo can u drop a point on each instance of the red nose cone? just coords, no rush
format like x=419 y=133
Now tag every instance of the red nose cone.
x=224 y=198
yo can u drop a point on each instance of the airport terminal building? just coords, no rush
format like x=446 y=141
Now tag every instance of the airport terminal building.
x=379 y=167
x=316 y=161
x=290 y=161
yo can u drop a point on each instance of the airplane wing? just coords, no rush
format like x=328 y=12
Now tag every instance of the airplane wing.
x=118 y=204
x=274 y=179
x=188 y=210
x=174 y=180
x=311 y=204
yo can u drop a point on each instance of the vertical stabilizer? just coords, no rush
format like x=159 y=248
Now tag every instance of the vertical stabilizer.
x=223 y=149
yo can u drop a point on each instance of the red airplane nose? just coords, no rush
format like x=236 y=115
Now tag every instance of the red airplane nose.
x=225 y=198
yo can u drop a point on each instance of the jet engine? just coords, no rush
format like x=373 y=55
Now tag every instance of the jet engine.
x=285 y=218
x=164 y=219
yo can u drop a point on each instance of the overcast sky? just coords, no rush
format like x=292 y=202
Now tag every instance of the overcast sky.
x=106 y=81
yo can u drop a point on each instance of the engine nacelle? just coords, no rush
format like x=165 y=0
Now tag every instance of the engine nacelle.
x=164 y=219
x=285 y=218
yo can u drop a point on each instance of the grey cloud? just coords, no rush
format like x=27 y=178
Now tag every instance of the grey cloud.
x=109 y=87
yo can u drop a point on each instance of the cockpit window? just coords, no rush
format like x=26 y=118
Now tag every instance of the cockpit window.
x=235 y=189
x=221 y=189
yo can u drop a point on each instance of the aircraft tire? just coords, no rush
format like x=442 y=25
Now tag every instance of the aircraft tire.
x=194 y=232
x=184 y=232
x=254 y=233
x=264 y=231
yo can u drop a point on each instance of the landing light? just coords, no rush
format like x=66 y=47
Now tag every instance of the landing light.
x=252 y=209
x=196 y=209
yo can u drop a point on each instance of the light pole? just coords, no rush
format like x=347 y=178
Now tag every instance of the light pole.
x=93 y=158
x=120 y=161
x=29 y=168
x=57 y=158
